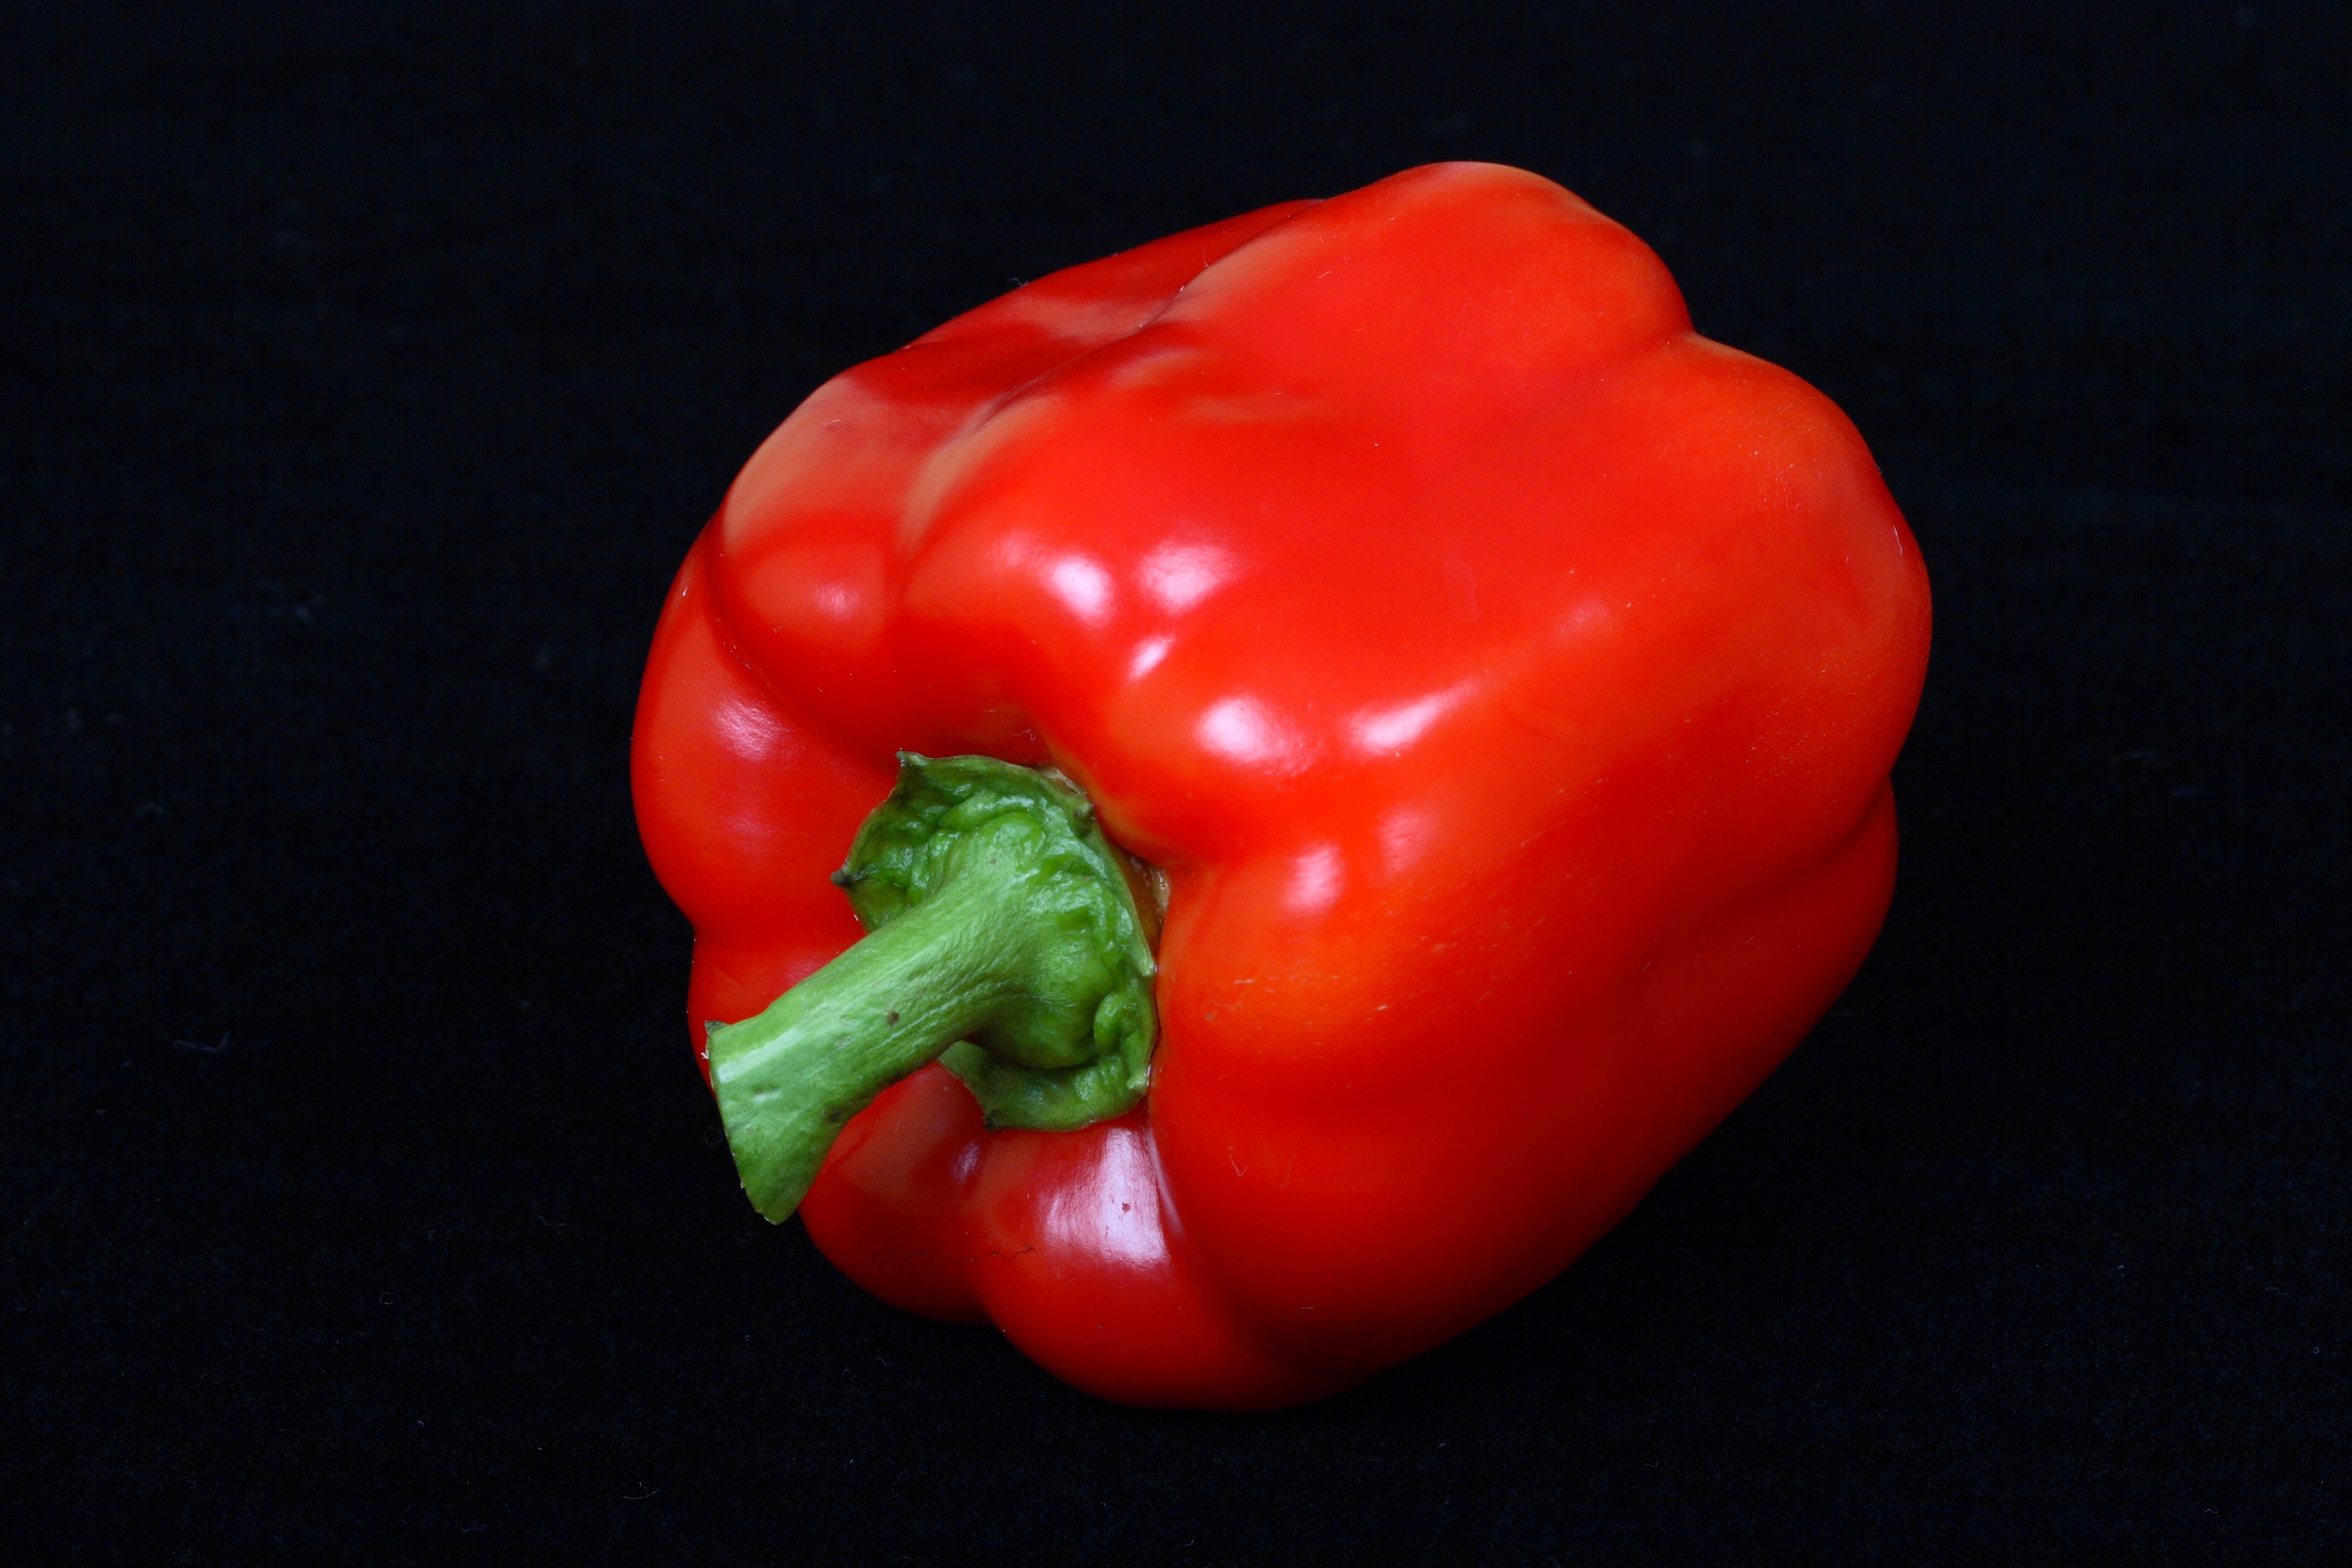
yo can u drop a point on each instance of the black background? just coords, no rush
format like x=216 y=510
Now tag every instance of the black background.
x=368 y=370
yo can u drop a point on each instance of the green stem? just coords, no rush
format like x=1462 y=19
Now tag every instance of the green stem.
x=1003 y=934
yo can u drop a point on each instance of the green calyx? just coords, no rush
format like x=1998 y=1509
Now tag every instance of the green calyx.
x=1004 y=939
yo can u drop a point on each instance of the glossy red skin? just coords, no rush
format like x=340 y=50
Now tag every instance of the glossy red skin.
x=1505 y=678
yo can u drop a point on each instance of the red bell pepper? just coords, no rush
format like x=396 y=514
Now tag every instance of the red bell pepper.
x=1497 y=681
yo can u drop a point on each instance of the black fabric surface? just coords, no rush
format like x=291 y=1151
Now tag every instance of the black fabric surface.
x=368 y=370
